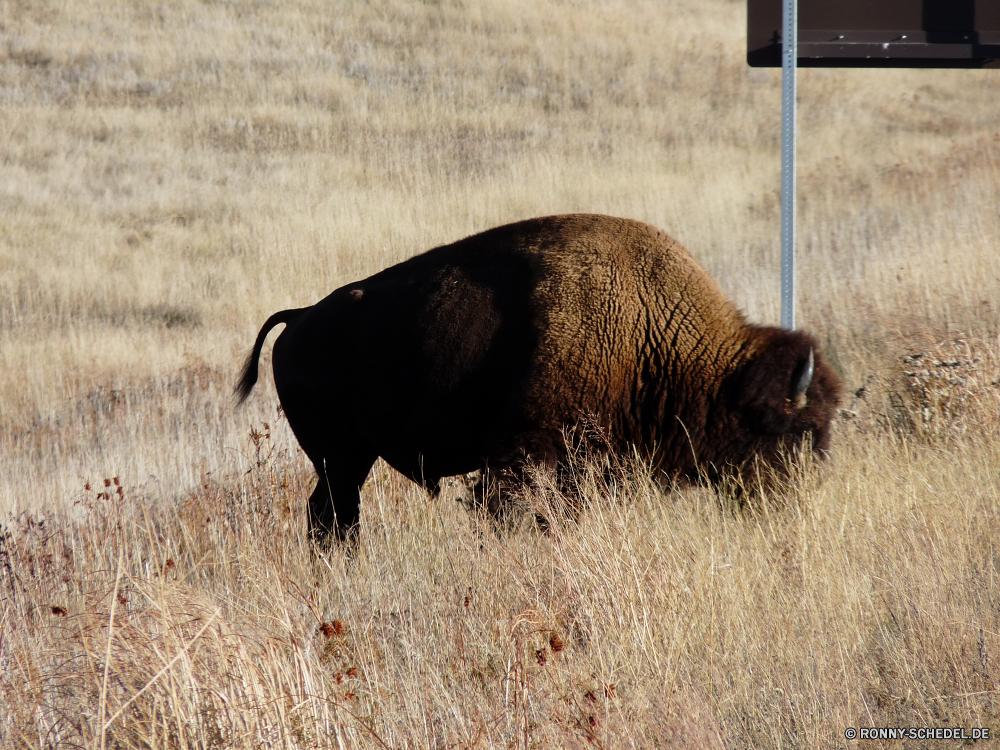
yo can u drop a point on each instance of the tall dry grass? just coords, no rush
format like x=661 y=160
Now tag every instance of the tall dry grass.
x=865 y=599
x=170 y=174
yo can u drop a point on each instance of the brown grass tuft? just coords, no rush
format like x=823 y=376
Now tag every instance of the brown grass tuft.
x=556 y=643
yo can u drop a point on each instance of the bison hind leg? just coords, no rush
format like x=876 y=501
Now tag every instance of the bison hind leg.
x=335 y=504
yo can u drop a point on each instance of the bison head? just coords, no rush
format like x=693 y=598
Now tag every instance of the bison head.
x=781 y=399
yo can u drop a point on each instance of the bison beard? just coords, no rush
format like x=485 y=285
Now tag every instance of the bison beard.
x=482 y=353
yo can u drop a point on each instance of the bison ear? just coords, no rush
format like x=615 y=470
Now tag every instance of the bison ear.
x=801 y=379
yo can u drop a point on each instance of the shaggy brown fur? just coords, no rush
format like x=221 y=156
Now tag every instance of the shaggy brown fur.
x=481 y=353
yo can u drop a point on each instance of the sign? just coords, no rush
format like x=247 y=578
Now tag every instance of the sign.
x=879 y=33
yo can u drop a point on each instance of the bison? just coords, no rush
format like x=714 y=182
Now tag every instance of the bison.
x=479 y=355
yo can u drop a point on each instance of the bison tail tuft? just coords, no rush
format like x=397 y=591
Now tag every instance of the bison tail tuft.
x=248 y=375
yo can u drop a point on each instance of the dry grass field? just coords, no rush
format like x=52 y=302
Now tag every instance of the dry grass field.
x=170 y=174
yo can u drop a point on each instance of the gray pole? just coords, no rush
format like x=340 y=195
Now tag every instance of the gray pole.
x=789 y=59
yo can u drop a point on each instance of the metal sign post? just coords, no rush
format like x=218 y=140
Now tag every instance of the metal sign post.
x=789 y=59
x=858 y=34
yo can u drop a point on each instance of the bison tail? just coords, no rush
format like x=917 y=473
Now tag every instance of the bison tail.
x=248 y=375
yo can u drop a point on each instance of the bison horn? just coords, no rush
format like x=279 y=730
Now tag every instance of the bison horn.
x=803 y=376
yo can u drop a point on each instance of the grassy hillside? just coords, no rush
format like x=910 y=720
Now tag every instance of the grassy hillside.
x=170 y=174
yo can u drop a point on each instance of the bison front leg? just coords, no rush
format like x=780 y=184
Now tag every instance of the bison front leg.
x=335 y=504
x=493 y=491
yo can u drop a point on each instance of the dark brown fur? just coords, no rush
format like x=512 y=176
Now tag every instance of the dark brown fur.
x=480 y=354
